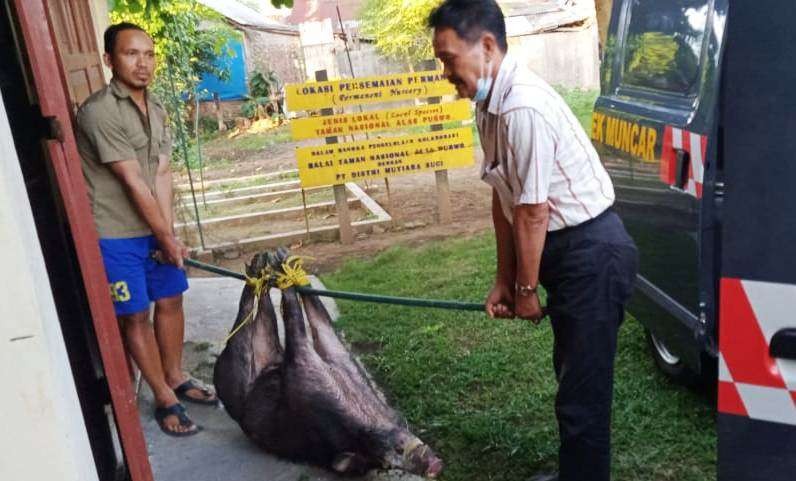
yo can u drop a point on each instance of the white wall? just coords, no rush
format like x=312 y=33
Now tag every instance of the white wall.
x=265 y=51
x=565 y=58
x=43 y=436
x=321 y=57
x=366 y=62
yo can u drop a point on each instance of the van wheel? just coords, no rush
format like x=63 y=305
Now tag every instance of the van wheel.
x=670 y=363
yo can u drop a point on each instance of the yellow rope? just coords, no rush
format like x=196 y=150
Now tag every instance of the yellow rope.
x=293 y=273
x=259 y=284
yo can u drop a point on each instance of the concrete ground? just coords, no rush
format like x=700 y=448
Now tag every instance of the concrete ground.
x=221 y=451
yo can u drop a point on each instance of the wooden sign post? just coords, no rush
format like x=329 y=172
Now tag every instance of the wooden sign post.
x=444 y=210
x=340 y=195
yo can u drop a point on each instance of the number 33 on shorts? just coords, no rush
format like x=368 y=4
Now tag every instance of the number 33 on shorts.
x=119 y=291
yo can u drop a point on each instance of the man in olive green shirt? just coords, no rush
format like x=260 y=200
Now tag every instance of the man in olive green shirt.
x=124 y=143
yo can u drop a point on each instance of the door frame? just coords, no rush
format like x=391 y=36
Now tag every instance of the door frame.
x=53 y=99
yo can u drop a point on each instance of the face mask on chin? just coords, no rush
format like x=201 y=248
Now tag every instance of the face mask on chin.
x=484 y=82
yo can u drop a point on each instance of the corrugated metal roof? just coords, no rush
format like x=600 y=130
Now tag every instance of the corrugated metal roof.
x=537 y=16
x=512 y=8
x=315 y=10
x=245 y=16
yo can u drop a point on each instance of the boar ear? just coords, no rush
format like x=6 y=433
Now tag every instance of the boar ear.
x=345 y=462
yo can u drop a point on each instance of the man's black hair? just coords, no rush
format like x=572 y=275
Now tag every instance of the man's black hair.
x=113 y=31
x=470 y=18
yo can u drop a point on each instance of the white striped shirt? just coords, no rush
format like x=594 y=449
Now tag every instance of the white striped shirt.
x=536 y=151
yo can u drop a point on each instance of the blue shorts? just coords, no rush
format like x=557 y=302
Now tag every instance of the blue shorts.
x=135 y=278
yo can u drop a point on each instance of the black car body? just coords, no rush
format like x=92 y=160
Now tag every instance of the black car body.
x=652 y=122
x=696 y=123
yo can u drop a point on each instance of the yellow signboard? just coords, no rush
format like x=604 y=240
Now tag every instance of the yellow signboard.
x=347 y=124
x=385 y=157
x=366 y=90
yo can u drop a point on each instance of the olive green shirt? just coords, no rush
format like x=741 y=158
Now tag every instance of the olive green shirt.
x=111 y=128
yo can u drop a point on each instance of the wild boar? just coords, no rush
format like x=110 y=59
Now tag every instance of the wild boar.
x=310 y=401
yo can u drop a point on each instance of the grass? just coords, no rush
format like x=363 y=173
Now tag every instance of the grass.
x=481 y=392
x=249 y=141
x=271 y=203
x=227 y=187
x=212 y=162
x=582 y=104
x=254 y=180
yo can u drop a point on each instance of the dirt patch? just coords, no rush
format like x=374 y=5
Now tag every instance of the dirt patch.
x=411 y=202
x=248 y=154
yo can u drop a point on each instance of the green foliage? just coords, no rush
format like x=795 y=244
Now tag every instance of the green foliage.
x=259 y=86
x=250 y=107
x=399 y=28
x=184 y=51
x=582 y=104
x=282 y=3
x=180 y=45
x=262 y=92
x=208 y=124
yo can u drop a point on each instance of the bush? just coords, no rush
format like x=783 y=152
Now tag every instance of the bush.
x=259 y=86
x=208 y=125
x=263 y=92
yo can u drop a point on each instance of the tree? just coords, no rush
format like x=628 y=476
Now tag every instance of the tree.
x=399 y=28
x=184 y=51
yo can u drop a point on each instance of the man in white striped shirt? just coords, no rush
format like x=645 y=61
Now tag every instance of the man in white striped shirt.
x=551 y=208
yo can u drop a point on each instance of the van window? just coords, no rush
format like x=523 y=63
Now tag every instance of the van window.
x=663 y=44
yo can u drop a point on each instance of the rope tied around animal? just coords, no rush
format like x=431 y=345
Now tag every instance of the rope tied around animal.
x=292 y=274
x=260 y=282
x=258 y=285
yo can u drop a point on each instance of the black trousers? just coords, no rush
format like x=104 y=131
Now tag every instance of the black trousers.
x=588 y=272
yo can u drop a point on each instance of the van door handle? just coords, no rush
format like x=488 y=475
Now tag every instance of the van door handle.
x=783 y=344
x=683 y=160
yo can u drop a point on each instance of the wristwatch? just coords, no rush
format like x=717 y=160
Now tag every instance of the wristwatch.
x=524 y=290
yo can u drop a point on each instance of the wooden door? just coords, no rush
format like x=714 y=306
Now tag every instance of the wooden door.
x=76 y=43
x=57 y=90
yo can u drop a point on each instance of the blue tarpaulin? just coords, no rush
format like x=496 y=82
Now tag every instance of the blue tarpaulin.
x=234 y=88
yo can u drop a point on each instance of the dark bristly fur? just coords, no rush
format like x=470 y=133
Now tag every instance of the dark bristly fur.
x=313 y=401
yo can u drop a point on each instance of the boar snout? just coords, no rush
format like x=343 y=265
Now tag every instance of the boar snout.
x=418 y=458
